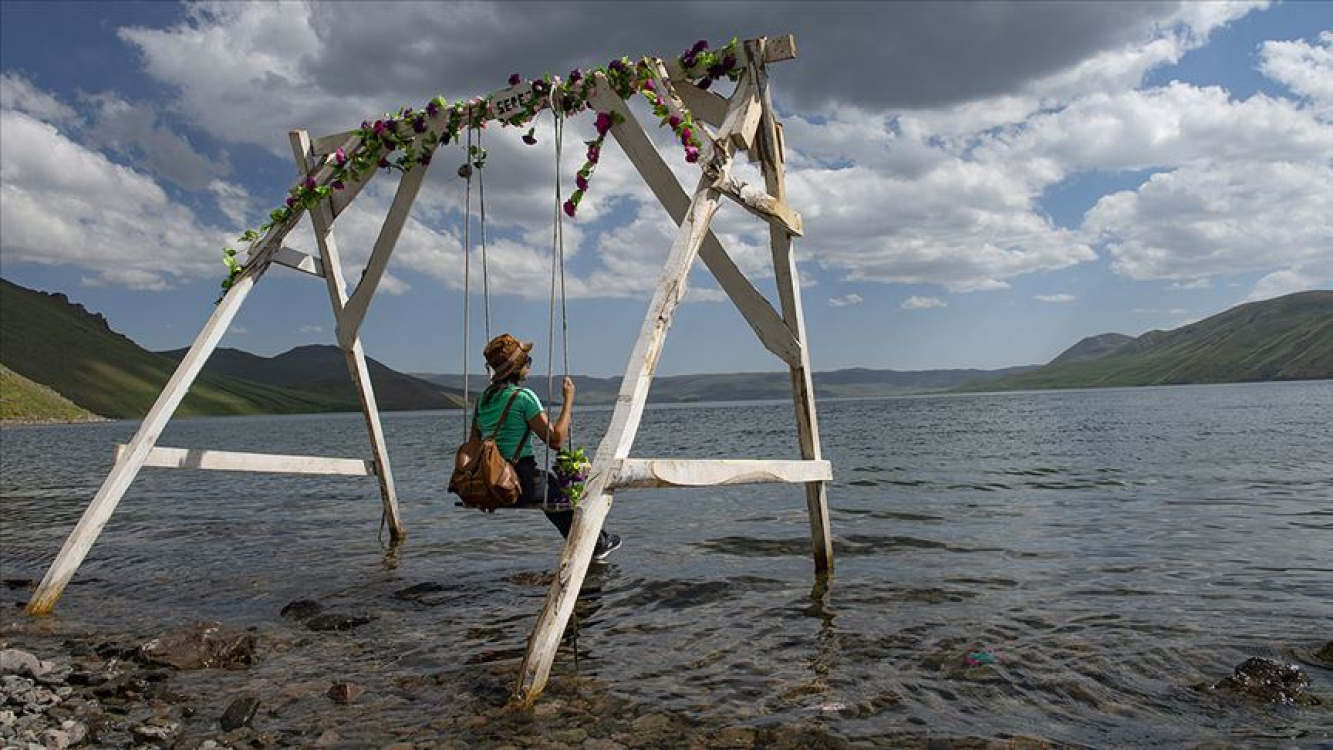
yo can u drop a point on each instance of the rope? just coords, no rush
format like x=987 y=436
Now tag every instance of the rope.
x=555 y=239
x=485 y=273
x=467 y=280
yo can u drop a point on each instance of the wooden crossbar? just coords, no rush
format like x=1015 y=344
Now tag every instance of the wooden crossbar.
x=272 y=463
x=677 y=472
x=286 y=256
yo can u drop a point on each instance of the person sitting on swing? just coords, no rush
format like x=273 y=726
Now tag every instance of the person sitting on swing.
x=510 y=361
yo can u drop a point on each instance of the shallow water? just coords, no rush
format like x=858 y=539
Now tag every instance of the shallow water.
x=1106 y=550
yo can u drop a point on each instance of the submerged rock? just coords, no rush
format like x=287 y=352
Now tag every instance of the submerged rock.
x=1268 y=680
x=239 y=713
x=415 y=593
x=199 y=646
x=1326 y=653
x=302 y=609
x=22 y=663
x=336 y=621
x=345 y=692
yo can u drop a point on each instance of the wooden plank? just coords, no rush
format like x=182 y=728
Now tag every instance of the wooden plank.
x=763 y=205
x=213 y=460
x=615 y=446
x=328 y=144
x=789 y=295
x=674 y=472
x=322 y=219
x=772 y=331
x=113 y=488
x=354 y=312
x=774 y=50
x=704 y=105
x=743 y=111
x=298 y=260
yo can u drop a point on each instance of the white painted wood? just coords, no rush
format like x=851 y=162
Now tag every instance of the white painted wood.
x=615 y=446
x=667 y=92
x=213 y=460
x=108 y=496
x=675 y=472
x=761 y=204
x=298 y=260
x=328 y=144
x=354 y=312
x=705 y=105
x=789 y=294
x=322 y=219
x=753 y=306
x=743 y=113
x=779 y=48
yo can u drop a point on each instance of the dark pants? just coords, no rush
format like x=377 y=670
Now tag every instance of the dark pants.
x=562 y=519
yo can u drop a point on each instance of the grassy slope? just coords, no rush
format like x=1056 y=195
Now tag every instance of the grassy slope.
x=1288 y=338
x=46 y=339
x=22 y=400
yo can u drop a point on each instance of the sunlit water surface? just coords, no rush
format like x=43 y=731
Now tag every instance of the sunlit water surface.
x=1107 y=549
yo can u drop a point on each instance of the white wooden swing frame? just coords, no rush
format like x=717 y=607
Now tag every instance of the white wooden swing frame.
x=745 y=122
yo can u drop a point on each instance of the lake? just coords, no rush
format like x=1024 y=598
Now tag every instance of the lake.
x=1062 y=566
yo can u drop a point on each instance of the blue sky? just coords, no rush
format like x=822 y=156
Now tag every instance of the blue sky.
x=982 y=184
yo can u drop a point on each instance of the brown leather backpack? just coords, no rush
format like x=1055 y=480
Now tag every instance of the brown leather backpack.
x=482 y=476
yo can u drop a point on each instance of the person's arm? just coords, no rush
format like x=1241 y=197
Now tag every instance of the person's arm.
x=557 y=435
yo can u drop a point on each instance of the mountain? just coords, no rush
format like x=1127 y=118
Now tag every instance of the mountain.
x=1287 y=338
x=745 y=386
x=1092 y=347
x=322 y=370
x=58 y=344
x=22 y=400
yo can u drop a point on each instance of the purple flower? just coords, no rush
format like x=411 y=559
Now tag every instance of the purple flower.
x=581 y=182
x=514 y=79
x=604 y=122
x=340 y=156
x=705 y=83
x=291 y=201
x=699 y=46
x=575 y=75
x=616 y=65
x=691 y=154
x=338 y=184
x=379 y=127
x=728 y=62
x=424 y=159
x=309 y=183
x=675 y=122
x=686 y=136
x=365 y=125
x=432 y=109
x=570 y=208
x=593 y=154
x=419 y=125
x=647 y=86
x=384 y=162
x=687 y=60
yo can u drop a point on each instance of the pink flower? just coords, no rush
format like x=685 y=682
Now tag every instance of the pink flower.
x=340 y=156
x=380 y=127
x=691 y=154
x=570 y=209
x=647 y=86
x=581 y=182
x=291 y=201
x=309 y=183
x=593 y=154
x=686 y=136
x=675 y=122
x=338 y=184
x=514 y=79
x=604 y=122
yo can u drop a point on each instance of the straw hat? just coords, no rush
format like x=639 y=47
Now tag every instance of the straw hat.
x=506 y=354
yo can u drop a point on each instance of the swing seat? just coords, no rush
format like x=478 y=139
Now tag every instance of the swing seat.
x=541 y=492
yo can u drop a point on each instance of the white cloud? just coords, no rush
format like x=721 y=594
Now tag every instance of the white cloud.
x=1280 y=283
x=1306 y=69
x=65 y=204
x=847 y=300
x=137 y=132
x=18 y=94
x=922 y=303
x=309 y=329
x=1056 y=298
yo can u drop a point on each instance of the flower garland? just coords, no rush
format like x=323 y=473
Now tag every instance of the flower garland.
x=403 y=140
x=571 y=474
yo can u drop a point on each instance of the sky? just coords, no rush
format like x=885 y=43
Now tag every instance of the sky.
x=981 y=184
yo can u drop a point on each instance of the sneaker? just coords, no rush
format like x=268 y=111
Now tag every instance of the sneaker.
x=605 y=546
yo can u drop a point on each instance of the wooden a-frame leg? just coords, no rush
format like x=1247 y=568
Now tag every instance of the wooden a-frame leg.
x=615 y=445
x=113 y=488
x=321 y=218
x=789 y=292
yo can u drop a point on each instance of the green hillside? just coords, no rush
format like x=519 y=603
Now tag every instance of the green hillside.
x=1288 y=338
x=49 y=340
x=22 y=400
x=322 y=370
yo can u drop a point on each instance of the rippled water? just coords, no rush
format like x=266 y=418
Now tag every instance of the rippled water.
x=1107 y=549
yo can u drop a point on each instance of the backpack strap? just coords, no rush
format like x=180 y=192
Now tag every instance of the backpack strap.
x=505 y=414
